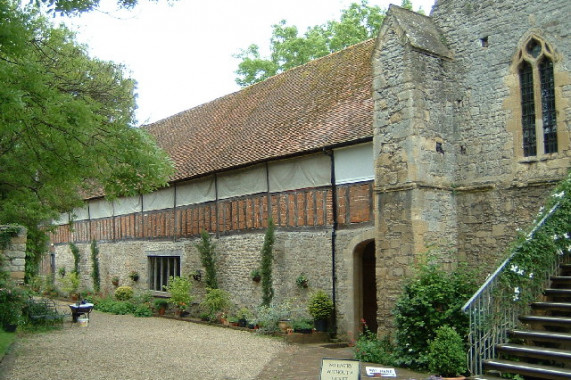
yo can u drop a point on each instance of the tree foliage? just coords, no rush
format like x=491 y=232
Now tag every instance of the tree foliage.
x=66 y=124
x=288 y=49
x=73 y=7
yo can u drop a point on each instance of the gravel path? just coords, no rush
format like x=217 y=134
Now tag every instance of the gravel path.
x=126 y=347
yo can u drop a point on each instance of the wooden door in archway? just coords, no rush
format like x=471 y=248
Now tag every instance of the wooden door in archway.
x=369 y=286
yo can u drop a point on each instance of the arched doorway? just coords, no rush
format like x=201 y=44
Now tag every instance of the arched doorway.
x=369 y=286
x=365 y=285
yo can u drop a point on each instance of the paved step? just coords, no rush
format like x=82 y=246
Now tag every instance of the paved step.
x=526 y=369
x=552 y=306
x=541 y=336
x=554 y=292
x=560 y=278
x=547 y=320
x=534 y=352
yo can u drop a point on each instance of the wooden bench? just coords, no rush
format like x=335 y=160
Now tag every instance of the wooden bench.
x=44 y=311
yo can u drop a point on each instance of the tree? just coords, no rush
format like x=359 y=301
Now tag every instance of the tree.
x=72 y=7
x=66 y=125
x=357 y=23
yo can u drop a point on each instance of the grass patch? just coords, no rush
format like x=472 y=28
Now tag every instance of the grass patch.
x=6 y=339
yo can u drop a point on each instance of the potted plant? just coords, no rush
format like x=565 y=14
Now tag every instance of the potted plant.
x=447 y=354
x=244 y=315
x=197 y=275
x=216 y=304
x=304 y=326
x=115 y=281
x=302 y=281
x=134 y=275
x=320 y=307
x=161 y=305
x=179 y=289
x=70 y=285
x=256 y=275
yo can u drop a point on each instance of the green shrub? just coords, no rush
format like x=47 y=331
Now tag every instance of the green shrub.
x=103 y=304
x=268 y=316
x=124 y=293
x=368 y=348
x=122 y=308
x=142 y=311
x=179 y=289
x=215 y=302
x=161 y=303
x=11 y=303
x=70 y=283
x=431 y=299
x=320 y=305
x=446 y=353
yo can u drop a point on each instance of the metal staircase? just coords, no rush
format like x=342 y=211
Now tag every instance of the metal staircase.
x=542 y=349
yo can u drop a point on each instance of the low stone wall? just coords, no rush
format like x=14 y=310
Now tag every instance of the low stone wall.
x=15 y=254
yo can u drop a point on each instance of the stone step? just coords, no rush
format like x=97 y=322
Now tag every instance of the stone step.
x=554 y=292
x=560 y=281
x=552 y=306
x=526 y=369
x=547 y=320
x=534 y=352
x=541 y=336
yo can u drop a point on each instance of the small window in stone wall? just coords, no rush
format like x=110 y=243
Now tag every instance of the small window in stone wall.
x=160 y=269
x=537 y=92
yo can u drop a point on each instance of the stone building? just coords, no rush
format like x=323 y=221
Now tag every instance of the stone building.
x=447 y=130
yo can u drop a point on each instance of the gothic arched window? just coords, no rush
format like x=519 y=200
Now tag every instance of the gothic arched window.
x=538 y=118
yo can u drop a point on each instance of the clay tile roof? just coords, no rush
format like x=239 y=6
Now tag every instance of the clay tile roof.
x=324 y=103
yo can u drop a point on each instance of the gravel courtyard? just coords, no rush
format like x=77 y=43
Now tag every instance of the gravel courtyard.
x=126 y=347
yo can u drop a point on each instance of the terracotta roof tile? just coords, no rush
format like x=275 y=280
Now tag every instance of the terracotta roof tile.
x=323 y=103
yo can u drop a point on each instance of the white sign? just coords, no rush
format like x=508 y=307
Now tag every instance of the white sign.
x=381 y=372
x=340 y=369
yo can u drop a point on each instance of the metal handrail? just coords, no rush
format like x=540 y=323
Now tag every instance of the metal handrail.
x=489 y=320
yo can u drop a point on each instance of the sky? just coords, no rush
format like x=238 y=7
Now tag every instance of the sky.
x=181 y=52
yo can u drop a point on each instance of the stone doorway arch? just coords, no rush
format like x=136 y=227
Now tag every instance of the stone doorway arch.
x=361 y=275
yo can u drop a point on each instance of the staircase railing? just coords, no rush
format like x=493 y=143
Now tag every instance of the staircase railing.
x=490 y=319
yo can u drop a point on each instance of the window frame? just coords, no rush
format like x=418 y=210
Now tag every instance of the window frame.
x=538 y=139
x=163 y=266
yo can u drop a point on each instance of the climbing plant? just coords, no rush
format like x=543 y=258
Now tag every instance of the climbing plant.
x=6 y=235
x=95 y=266
x=266 y=265
x=76 y=257
x=208 y=258
x=536 y=250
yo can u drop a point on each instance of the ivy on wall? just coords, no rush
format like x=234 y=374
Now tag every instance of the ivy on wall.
x=536 y=252
x=95 y=276
x=266 y=264
x=76 y=257
x=208 y=259
x=6 y=235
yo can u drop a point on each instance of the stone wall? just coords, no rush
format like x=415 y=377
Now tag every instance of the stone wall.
x=15 y=255
x=307 y=251
x=447 y=132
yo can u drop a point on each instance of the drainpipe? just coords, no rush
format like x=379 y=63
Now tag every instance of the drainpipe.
x=333 y=237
